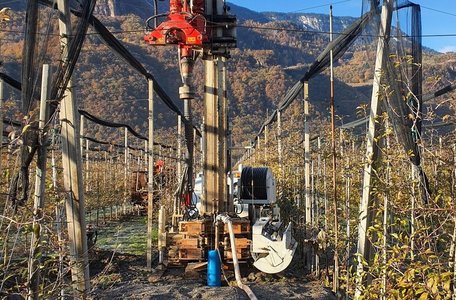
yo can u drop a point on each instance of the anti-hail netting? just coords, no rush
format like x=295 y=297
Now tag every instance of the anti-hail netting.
x=403 y=72
x=402 y=75
x=34 y=55
x=34 y=51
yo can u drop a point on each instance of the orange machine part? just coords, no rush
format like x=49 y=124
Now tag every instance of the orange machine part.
x=185 y=26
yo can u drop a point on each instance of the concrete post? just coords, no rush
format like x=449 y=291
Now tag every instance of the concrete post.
x=371 y=157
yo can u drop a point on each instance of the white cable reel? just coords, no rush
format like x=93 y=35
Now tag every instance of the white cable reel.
x=272 y=250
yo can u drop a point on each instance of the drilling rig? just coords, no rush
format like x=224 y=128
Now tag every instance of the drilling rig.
x=205 y=29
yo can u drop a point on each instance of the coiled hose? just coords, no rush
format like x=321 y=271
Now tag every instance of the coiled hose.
x=253 y=183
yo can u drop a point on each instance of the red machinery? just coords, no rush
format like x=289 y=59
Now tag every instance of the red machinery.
x=185 y=26
x=194 y=24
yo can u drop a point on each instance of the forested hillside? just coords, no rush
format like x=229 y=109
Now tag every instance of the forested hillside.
x=375 y=202
x=266 y=63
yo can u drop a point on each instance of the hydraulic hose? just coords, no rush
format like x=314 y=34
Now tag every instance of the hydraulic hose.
x=186 y=94
x=227 y=220
x=189 y=143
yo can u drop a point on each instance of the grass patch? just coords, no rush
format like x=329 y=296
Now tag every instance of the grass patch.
x=128 y=236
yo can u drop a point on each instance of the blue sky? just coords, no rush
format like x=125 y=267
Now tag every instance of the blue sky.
x=438 y=16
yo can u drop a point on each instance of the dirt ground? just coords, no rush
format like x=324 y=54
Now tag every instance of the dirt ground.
x=124 y=276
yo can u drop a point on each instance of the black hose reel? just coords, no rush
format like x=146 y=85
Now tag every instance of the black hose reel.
x=257 y=186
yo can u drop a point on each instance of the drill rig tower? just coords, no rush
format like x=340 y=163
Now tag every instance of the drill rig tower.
x=203 y=28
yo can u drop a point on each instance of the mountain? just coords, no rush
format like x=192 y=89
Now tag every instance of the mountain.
x=266 y=64
x=144 y=9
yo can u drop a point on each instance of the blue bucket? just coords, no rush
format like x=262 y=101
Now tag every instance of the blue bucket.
x=213 y=269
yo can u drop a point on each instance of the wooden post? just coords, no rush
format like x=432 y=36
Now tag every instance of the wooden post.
x=224 y=201
x=97 y=186
x=333 y=150
x=307 y=157
x=111 y=170
x=253 y=149
x=364 y=217
x=105 y=180
x=279 y=139
x=203 y=153
x=215 y=128
x=145 y=154
x=150 y=184
x=138 y=159
x=256 y=152
x=319 y=177
x=211 y=118
x=453 y=198
x=266 y=143
x=40 y=180
x=314 y=219
x=347 y=232
x=81 y=134
x=71 y=160
x=87 y=166
x=412 y=213
x=161 y=234
x=54 y=170
x=453 y=240
x=115 y=179
x=126 y=161
x=314 y=200
x=129 y=175
x=59 y=222
x=307 y=182
x=383 y=294
x=105 y=170
x=160 y=179
x=2 y=99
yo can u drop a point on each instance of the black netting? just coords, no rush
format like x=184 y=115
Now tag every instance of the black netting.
x=66 y=68
x=112 y=42
x=369 y=5
x=402 y=74
x=404 y=82
x=11 y=81
x=440 y=92
x=339 y=46
x=111 y=124
x=29 y=55
x=19 y=188
x=99 y=121
x=109 y=143
x=424 y=99
x=20 y=180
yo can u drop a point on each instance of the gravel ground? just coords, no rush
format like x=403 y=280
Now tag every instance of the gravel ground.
x=187 y=289
x=118 y=272
x=124 y=276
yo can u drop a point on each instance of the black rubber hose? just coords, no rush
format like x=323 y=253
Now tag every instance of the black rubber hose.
x=189 y=143
x=253 y=183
